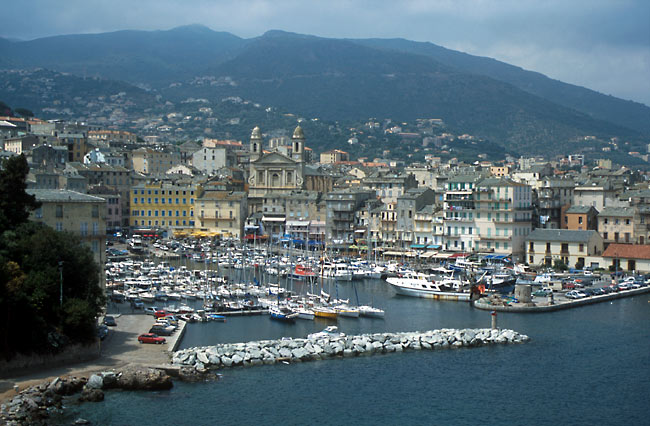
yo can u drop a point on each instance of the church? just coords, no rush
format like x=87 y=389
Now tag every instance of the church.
x=274 y=172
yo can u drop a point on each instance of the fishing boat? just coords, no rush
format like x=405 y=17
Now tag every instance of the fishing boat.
x=303 y=273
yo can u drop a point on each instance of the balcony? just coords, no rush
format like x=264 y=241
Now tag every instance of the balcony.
x=496 y=237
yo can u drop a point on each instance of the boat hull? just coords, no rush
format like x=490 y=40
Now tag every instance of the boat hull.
x=325 y=314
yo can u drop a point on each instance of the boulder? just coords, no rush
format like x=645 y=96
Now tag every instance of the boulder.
x=139 y=378
x=91 y=395
x=237 y=359
x=95 y=382
x=202 y=357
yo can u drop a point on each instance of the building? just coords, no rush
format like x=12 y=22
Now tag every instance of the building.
x=598 y=195
x=104 y=137
x=628 y=257
x=81 y=214
x=500 y=171
x=407 y=207
x=163 y=205
x=112 y=196
x=580 y=218
x=553 y=195
x=334 y=156
x=503 y=216
x=221 y=212
x=209 y=160
x=21 y=144
x=576 y=249
x=389 y=186
x=617 y=224
x=273 y=173
x=150 y=161
x=341 y=216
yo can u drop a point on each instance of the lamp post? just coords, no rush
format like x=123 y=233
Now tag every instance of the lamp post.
x=60 y=283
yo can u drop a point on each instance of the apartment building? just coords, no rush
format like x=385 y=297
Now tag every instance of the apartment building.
x=163 y=205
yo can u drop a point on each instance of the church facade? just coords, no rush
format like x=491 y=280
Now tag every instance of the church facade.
x=275 y=172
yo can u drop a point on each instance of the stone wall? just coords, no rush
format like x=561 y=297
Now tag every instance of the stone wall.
x=28 y=363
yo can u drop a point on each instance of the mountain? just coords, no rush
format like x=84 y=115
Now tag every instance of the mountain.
x=145 y=57
x=340 y=79
x=597 y=105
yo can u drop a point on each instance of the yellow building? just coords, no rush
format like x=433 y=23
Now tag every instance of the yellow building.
x=221 y=212
x=162 y=205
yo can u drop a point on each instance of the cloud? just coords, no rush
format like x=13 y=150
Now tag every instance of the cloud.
x=601 y=44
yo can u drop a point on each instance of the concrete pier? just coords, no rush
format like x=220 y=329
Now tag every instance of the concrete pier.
x=556 y=303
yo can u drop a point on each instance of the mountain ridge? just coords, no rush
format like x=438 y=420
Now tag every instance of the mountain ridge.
x=346 y=78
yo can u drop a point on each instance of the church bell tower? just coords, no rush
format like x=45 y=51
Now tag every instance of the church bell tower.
x=298 y=145
x=256 y=144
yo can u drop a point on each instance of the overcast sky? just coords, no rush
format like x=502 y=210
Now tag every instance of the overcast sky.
x=600 y=44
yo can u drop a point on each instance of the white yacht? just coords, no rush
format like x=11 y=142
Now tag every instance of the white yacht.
x=421 y=285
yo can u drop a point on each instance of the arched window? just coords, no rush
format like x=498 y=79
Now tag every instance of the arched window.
x=289 y=177
x=275 y=180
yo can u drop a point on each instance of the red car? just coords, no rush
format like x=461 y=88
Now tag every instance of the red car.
x=160 y=313
x=151 y=338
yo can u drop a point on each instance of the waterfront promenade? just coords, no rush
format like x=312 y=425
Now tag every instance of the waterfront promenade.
x=119 y=349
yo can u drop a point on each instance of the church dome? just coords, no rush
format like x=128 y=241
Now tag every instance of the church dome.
x=257 y=133
x=298 y=134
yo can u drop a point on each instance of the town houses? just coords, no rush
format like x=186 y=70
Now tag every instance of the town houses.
x=531 y=210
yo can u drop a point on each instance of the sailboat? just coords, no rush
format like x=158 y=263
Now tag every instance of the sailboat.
x=321 y=310
x=282 y=312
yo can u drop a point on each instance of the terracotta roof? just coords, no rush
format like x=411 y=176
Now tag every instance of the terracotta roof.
x=628 y=251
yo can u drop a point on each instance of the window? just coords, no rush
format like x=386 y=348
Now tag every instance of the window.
x=580 y=219
x=59 y=210
x=605 y=221
x=95 y=228
x=581 y=248
x=59 y=226
x=84 y=229
x=604 y=235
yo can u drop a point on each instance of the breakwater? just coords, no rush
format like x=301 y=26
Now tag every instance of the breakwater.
x=324 y=346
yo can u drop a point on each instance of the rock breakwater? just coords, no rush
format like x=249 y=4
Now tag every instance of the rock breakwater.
x=330 y=346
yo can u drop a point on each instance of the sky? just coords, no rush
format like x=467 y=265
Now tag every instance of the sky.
x=600 y=44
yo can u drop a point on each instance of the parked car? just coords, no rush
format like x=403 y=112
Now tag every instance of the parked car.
x=160 y=313
x=110 y=321
x=137 y=304
x=102 y=331
x=575 y=294
x=151 y=310
x=151 y=338
x=161 y=329
x=627 y=285
x=544 y=292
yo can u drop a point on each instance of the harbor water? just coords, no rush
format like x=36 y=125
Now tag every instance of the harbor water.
x=587 y=365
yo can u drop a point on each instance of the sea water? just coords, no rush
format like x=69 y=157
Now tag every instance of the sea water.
x=584 y=366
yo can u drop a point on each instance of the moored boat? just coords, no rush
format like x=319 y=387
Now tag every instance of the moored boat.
x=420 y=285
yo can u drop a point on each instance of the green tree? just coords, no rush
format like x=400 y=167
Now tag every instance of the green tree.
x=15 y=203
x=24 y=112
x=38 y=310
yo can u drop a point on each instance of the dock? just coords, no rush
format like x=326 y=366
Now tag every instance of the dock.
x=558 y=304
x=242 y=313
